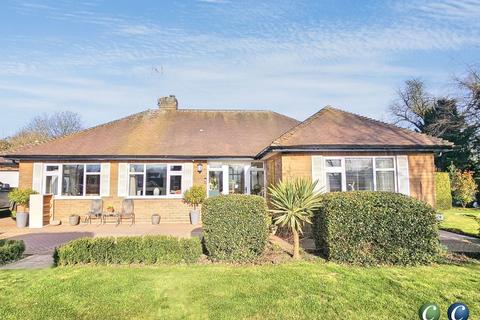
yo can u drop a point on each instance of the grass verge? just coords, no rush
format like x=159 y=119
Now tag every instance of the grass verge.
x=461 y=221
x=287 y=291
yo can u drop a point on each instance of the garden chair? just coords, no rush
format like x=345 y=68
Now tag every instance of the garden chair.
x=95 y=212
x=127 y=211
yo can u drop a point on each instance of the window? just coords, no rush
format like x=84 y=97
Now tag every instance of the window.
x=155 y=180
x=51 y=179
x=175 y=179
x=92 y=178
x=257 y=179
x=334 y=169
x=360 y=173
x=69 y=180
x=236 y=179
x=215 y=182
x=80 y=180
x=385 y=174
x=334 y=181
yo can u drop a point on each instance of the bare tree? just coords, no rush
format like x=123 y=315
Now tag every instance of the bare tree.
x=412 y=106
x=56 y=125
x=470 y=88
x=44 y=127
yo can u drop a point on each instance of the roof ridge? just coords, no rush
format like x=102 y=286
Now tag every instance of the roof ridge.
x=440 y=140
x=30 y=146
x=220 y=110
x=302 y=124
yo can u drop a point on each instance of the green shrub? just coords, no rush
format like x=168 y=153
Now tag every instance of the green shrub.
x=443 y=191
x=195 y=196
x=464 y=188
x=129 y=250
x=235 y=227
x=372 y=228
x=21 y=197
x=11 y=250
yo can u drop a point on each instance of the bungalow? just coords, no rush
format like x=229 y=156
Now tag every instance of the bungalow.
x=153 y=156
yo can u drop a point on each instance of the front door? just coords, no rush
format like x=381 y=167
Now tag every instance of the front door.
x=215 y=181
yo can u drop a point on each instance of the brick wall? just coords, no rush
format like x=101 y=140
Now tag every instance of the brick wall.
x=421 y=169
x=170 y=210
x=422 y=177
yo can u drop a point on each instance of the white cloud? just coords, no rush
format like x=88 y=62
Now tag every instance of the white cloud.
x=292 y=67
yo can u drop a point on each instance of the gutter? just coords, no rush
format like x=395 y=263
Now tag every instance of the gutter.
x=352 y=148
x=120 y=158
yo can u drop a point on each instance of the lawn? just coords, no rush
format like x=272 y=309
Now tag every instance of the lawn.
x=461 y=220
x=289 y=291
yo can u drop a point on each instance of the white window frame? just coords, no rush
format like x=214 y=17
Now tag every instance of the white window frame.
x=170 y=173
x=394 y=170
x=342 y=169
x=60 y=179
x=223 y=166
x=255 y=169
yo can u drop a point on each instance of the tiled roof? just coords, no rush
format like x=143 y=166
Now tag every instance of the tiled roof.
x=335 y=127
x=172 y=133
x=226 y=133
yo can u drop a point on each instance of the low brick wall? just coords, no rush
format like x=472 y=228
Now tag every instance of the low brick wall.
x=170 y=210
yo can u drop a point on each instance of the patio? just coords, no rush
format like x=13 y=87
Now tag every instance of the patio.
x=9 y=230
x=40 y=243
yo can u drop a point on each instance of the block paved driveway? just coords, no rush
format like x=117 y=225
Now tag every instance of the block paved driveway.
x=40 y=243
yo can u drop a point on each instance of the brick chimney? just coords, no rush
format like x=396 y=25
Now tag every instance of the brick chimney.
x=168 y=103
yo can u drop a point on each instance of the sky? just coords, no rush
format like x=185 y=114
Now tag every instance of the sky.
x=109 y=59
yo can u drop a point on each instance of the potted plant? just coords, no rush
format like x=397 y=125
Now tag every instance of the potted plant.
x=155 y=218
x=21 y=198
x=194 y=197
x=74 y=219
x=110 y=209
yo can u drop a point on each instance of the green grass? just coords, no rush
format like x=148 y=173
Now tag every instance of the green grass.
x=461 y=220
x=288 y=291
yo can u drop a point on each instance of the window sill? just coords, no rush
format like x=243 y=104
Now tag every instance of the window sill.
x=76 y=197
x=154 y=197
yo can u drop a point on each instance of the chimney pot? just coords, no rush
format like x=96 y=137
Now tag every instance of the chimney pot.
x=168 y=103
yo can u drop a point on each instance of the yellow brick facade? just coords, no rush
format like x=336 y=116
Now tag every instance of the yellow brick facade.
x=278 y=167
x=421 y=169
x=170 y=210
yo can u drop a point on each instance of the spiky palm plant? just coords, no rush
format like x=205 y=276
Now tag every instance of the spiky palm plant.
x=293 y=203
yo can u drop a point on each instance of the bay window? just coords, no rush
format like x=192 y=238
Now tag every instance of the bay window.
x=155 y=179
x=360 y=174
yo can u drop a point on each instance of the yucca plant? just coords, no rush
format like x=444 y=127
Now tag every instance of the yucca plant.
x=293 y=203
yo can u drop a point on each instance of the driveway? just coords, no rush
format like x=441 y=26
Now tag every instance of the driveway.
x=459 y=243
x=40 y=243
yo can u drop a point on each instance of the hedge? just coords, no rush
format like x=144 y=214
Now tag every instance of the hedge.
x=235 y=227
x=371 y=228
x=129 y=250
x=11 y=250
x=443 y=191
